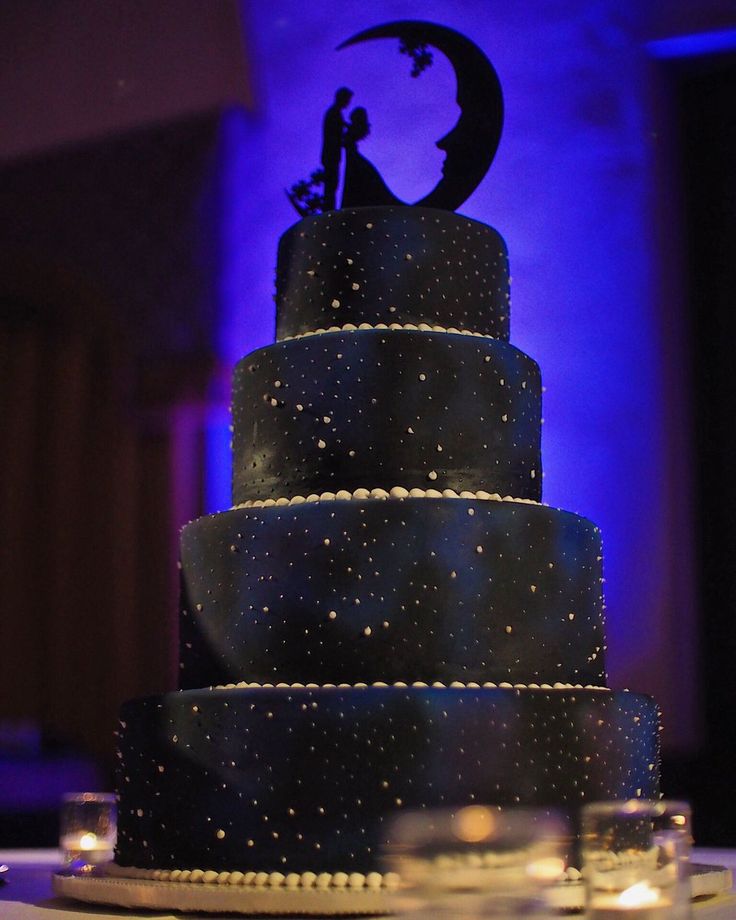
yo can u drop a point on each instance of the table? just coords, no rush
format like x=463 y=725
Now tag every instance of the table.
x=28 y=896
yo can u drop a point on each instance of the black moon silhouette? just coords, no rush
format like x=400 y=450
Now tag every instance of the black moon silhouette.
x=472 y=143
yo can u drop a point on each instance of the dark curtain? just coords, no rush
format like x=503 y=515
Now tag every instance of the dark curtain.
x=87 y=572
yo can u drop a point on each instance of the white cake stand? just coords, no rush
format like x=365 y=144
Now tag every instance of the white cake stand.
x=118 y=891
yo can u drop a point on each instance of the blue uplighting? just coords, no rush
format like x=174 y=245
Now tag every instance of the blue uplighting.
x=699 y=43
x=218 y=463
x=570 y=190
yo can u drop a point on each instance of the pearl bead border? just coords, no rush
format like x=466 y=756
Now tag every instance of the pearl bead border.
x=395 y=492
x=392 y=327
x=319 y=881
x=350 y=881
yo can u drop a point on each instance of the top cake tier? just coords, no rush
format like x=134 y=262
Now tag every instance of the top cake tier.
x=404 y=265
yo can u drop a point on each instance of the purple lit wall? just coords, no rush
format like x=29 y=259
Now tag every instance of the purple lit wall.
x=571 y=190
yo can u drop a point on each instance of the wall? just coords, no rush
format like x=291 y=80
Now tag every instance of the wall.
x=73 y=70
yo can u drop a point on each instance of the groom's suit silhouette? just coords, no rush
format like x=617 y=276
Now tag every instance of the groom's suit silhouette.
x=333 y=129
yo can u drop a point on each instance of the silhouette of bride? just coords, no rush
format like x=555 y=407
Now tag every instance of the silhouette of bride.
x=362 y=183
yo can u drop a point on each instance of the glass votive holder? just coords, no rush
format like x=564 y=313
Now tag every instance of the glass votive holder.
x=475 y=862
x=636 y=860
x=87 y=829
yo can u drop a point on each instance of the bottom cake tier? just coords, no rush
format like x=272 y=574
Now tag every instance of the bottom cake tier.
x=307 y=780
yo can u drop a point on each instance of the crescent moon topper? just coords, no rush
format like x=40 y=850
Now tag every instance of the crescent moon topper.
x=469 y=146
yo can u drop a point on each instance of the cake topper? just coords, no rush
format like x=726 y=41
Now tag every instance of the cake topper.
x=470 y=146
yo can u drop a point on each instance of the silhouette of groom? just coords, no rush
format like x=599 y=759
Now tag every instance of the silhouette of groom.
x=333 y=129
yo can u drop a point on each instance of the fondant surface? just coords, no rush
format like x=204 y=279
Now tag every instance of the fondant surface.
x=424 y=589
x=392 y=265
x=296 y=780
x=377 y=408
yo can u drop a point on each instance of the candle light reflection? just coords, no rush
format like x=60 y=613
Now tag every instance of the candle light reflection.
x=642 y=894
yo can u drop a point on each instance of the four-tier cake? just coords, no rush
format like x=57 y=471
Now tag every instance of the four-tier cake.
x=388 y=618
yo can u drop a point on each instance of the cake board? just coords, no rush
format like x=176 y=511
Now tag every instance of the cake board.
x=119 y=891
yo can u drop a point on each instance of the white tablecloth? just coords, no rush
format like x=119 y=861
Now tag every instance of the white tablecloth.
x=28 y=895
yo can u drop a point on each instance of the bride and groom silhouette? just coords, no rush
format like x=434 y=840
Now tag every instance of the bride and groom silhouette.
x=361 y=180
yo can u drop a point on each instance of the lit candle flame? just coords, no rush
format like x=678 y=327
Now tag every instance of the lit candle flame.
x=640 y=895
x=88 y=841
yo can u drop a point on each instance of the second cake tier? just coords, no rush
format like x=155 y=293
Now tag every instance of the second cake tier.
x=375 y=408
x=416 y=589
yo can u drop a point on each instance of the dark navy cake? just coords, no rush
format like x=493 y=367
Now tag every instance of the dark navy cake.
x=387 y=618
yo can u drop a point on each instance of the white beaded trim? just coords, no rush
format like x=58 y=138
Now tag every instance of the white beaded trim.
x=455 y=684
x=352 y=881
x=396 y=492
x=415 y=327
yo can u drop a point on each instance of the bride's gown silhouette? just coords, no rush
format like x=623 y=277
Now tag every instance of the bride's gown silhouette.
x=363 y=184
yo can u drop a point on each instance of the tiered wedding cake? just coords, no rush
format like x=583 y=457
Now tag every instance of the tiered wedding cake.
x=388 y=618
